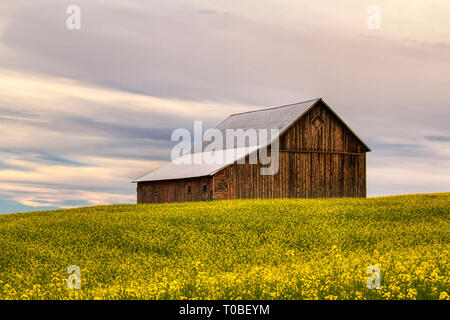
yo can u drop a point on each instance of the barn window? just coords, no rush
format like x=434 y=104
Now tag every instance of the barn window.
x=156 y=191
x=221 y=185
x=189 y=189
x=204 y=187
x=317 y=122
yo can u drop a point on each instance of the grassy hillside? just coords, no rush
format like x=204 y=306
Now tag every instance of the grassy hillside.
x=245 y=249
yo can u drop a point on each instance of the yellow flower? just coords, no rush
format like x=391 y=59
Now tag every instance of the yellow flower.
x=444 y=296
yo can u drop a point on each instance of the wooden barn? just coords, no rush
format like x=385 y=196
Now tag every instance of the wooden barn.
x=319 y=157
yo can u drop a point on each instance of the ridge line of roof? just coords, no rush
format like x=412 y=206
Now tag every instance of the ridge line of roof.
x=271 y=108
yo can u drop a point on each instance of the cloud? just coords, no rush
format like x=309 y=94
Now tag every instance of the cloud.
x=438 y=138
x=209 y=12
x=57 y=113
x=256 y=54
x=45 y=184
x=397 y=175
x=9 y=206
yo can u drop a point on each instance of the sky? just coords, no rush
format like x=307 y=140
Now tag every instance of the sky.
x=84 y=112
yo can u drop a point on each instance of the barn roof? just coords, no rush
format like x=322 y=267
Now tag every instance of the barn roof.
x=269 y=118
x=187 y=168
x=280 y=118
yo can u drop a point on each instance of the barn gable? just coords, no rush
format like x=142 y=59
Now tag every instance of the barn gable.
x=319 y=128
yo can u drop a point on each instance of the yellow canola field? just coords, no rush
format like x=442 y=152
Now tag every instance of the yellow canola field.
x=242 y=249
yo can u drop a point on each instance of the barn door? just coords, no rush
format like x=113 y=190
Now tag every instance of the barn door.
x=206 y=192
x=221 y=186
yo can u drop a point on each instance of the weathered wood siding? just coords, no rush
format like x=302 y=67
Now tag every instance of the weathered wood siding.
x=301 y=175
x=331 y=136
x=174 y=190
